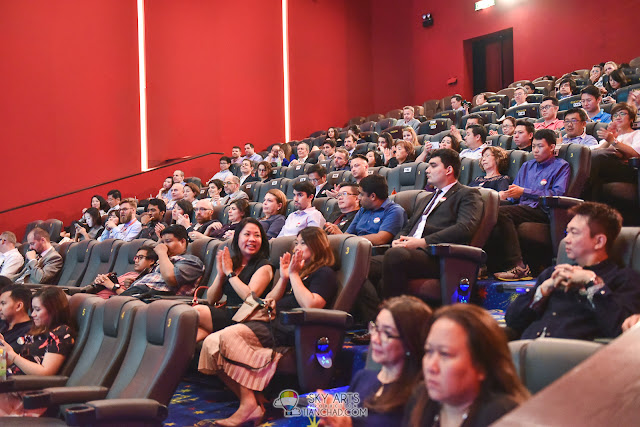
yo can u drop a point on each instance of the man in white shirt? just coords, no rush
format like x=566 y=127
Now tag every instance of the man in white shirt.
x=475 y=139
x=305 y=214
x=225 y=162
x=519 y=96
x=129 y=227
x=11 y=260
x=408 y=118
x=359 y=167
x=575 y=123
x=113 y=200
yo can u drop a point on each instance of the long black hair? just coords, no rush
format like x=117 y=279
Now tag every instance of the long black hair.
x=236 y=254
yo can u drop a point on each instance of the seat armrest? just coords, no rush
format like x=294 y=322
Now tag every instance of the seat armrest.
x=380 y=249
x=561 y=202
x=306 y=316
x=101 y=411
x=63 y=395
x=31 y=382
x=634 y=162
x=448 y=250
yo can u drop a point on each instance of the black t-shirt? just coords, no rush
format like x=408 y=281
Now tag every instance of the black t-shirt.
x=322 y=282
x=12 y=336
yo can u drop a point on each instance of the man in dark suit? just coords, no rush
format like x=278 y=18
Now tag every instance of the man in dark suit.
x=43 y=263
x=318 y=177
x=451 y=215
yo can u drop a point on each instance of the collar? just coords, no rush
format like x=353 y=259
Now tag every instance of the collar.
x=546 y=162
x=43 y=254
x=306 y=211
x=444 y=190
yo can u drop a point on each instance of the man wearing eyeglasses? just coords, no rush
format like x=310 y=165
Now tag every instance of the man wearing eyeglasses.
x=318 y=177
x=349 y=205
x=11 y=260
x=204 y=214
x=129 y=227
x=144 y=259
x=549 y=112
x=232 y=188
x=575 y=123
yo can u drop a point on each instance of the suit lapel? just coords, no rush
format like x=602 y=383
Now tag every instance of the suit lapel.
x=453 y=190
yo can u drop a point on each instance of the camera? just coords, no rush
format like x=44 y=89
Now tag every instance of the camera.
x=113 y=277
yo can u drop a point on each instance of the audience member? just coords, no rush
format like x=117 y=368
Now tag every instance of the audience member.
x=451 y=215
x=246 y=172
x=191 y=193
x=11 y=260
x=519 y=97
x=99 y=202
x=165 y=192
x=397 y=344
x=379 y=219
x=591 y=98
x=305 y=214
x=409 y=135
x=617 y=79
x=232 y=188
x=175 y=271
x=91 y=227
x=264 y=172
x=457 y=105
x=178 y=177
x=350 y=143
x=276 y=155
x=180 y=214
x=349 y=205
x=302 y=149
x=523 y=135
x=204 y=218
x=151 y=219
x=545 y=175
x=354 y=131
x=575 y=124
x=450 y=142
x=405 y=153
x=328 y=150
x=143 y=262
x=129 y=226
x=42 y=262
x=318 y=177
x=549 y=112
x=225 y=163
x=374 y=159
x=472 y=119
x=274 y=208
x=241 y=270
x=530 y=88
x=237 y=211
x=494 y=162
x=566 y=88
x=177 y=194
x=113 y=200
x=250 y=153
x=385 y=146
x=312 y=283
x=475 y=138
x=341 y=160
x=469 y=375
x=408 y=118
x=584 y=301
x=215 y=192
x=334 y=134
x=481 y=99
x=236 y=155
x=15 y=305
x=359 y=167
x=609 y=66
x=507 y=127
x=595 y=76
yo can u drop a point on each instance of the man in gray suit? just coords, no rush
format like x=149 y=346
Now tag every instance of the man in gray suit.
x=43 y=262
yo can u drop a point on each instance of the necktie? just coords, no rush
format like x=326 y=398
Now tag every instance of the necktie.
x=418 y=229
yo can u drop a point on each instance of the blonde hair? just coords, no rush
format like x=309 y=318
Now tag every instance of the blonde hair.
x=414 y=135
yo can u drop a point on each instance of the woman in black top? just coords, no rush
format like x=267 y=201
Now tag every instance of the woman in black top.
x=248 y=260
x=469 y=376
x=493 y=161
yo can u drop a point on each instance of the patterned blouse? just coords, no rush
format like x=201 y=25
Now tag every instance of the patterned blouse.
x=59 y=340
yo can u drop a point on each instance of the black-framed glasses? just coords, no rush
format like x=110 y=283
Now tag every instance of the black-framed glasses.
x=140 y=257
x=385 y=336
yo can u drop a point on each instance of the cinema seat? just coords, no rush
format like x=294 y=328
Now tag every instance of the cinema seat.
x=394 y=114
x=496 y=107
x=251 y=188
x=124 y=262
x=368 y=126
x=432 y=127
x=75 y=263
x=453 y=115
x=376 y=117
x=523 y=111
x=384 y=124
x=407 y=176
x=622 y=94
x=570 y=102
x=487 y=116
x=409 y=199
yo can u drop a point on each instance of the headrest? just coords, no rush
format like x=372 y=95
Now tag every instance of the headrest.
x=78 y=304
x=159 y=319
x=114 y=311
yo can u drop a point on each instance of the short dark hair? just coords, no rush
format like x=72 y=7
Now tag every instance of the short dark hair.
x=20 y=293
x=547 y=134
x=249 y=144
x=623 y=106
x=591 y=90
x=359 y=156
x=263 y=251
x=579 y=111
x=151 y=254
x=572 y=83
x=243 y=206
x=619 y=76
x=116 y=194
x=319 y=169
x=178 y=231
x=235 y=146
x=305 y=187
x=553 y=100
x=354 y=128
x=530 y=85
x=601 y=218
x=375 y=184
x=186 y=206
x=448 y=157
x=477 y=117
x=159 y=203
x=329 y=141
x=95 y=215
x=527 y=124
x=354 y=187
x=457 y=97
x=478 y=130
x=226 y=159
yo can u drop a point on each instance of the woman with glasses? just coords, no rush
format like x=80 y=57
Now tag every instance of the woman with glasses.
x=245 y=356
x=469 y=376
x=619 y=142
x=508 y=127
x=397 y=344
x=240 y=270
x=274 y=207
x=264 y=171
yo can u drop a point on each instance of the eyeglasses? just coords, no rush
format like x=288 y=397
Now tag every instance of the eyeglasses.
x=385 y=336
x=140 y=257
x=545 y=107
x=262 y=170
x=202 y=209
x=228 y=182
x=619 y=114
x=572 y=121
x=345 y=194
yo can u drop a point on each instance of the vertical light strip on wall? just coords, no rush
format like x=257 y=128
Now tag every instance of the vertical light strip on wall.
x=144 y=159
x=285 y=67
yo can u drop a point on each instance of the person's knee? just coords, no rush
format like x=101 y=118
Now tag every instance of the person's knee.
x=396 y=258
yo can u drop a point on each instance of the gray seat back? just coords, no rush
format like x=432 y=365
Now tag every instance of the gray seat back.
x=409 y=199
x=75 y=263
x=82 y=308
x=103 y=256
x=124 y=260
x=407 y=176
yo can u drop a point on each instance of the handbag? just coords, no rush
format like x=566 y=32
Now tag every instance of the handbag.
x=253 y=308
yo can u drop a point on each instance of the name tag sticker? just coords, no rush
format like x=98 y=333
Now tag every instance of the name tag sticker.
x=298 y=167
x=376 y=220
x=543 y=182
x=335 y=175
x=407 y=169
x=276 y=182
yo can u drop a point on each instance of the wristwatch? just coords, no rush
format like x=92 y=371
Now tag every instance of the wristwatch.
x=230 y=275
x=116 y=286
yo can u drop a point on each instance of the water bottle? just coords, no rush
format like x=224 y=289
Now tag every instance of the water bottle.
x=3 y=364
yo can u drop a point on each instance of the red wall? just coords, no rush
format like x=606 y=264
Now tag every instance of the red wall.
x=557 y=29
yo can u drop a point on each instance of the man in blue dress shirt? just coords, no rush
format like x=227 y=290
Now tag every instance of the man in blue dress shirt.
x=545 y=175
